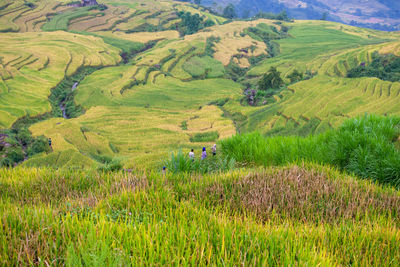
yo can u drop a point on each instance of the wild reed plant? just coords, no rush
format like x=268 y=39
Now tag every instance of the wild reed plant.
x=364 y=146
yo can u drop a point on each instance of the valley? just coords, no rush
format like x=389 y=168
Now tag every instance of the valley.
x=177 y=78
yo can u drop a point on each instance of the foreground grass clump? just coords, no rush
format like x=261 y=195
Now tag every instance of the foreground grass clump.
x=364 y=146
x=78 y=218
x=298 y=193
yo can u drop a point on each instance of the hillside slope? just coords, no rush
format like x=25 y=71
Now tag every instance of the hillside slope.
x=297 y=215
x=174 y=84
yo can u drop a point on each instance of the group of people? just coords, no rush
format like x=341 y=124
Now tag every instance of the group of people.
x=204 y=152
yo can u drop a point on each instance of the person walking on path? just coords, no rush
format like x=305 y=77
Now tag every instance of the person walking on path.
x=204 y=154
x=214 y=149
x=50 y=144
x=164 y=171
x=191 y=155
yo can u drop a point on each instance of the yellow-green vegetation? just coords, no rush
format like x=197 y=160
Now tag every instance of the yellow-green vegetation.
x=128 y=84
x=134 y=108
x=33 y=63
x=144 y=123
x=327 y=51
x=296 y=215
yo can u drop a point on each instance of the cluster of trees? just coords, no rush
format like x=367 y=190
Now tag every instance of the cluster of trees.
x=229 y=12
x=384 y=67
x=267 y=15
x=191 y=24
x=20 y=144
x=270 y=84
x=270 y=80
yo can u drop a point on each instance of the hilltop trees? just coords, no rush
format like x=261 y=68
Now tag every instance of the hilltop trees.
x=192 y=23
x=229 y=12
x=266 y=15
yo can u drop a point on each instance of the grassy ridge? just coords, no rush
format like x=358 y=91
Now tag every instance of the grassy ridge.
x=363 y=146
x=93 y=218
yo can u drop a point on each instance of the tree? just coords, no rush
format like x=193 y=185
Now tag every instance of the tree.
x=270 y=80
x=229 y=12
x=190 y=23
x=295 y=76
x=282 y=16
x=197 y=2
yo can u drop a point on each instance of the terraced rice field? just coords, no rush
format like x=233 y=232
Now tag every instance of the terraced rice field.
x=172 y=80
x=9 y=11
x=33 y=63
x=145 y=123
x=328 y=98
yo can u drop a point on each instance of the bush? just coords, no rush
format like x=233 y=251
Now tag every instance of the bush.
x=295 y=76
x=363 y=146
x=270 y=80
x=39 y=145
x=24 y=137
x=205 y=137
x=184 y=125
x=15 y=154
x=6 y=162
x=112 y=165
x=384 y=67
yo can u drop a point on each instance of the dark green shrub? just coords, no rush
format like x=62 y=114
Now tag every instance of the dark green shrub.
x=102 y=158
x=209 y=23
x=384 y=67
x=111 y=166
x=39 y=145
x=6 y=162
x=15 y=154
x=295 y=76
x=270 y=80
x=24 y=137
x=184 y=125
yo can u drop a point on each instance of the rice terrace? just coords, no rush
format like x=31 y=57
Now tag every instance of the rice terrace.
x=294 y=127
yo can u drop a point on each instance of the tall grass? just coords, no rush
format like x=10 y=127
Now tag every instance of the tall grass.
x=179 y=162
x=77 y=218
x=295 y=193
x=364 y=146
